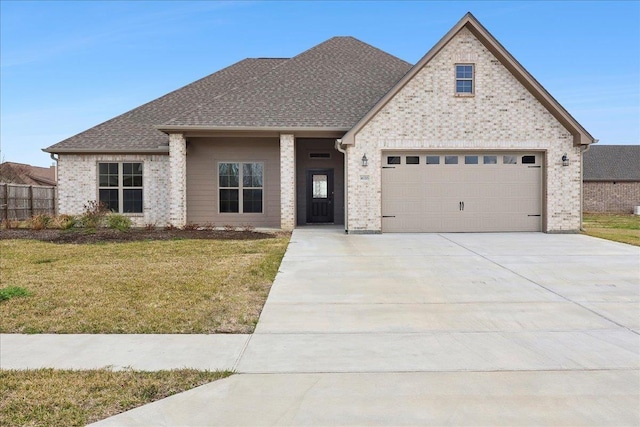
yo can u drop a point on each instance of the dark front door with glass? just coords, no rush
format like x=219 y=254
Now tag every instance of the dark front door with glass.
x=319 y=196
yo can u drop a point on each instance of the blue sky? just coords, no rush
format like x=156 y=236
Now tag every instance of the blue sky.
x=67 y=66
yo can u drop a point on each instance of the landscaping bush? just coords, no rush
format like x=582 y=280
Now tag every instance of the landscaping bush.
x=118 y=222
x=39 y=222
x=63 y=222
x=94 y=215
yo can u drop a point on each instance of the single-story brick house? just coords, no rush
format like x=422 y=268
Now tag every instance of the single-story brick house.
x=343 y=133
x=611 y=178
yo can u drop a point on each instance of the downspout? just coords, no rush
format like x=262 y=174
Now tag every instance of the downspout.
x=583 y=149
x=55 y=192
x=338 y=144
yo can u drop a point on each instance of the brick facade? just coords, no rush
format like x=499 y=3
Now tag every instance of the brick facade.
x=78 y=184
x=287 y=182
x=177 y=180
x=611 y=197
x=502 y=114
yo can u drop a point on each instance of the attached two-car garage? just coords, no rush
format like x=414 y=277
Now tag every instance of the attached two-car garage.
x=462 y=191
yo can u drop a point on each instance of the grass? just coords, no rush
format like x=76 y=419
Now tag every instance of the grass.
x=47 y=397
x=180 y=286
x=616 y=227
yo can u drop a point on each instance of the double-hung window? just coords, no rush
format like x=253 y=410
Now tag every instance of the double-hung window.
x=120 y=186
x=240 y=187
x=464 y=79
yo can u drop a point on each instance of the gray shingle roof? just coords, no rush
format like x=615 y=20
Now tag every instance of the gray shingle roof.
x=331 y=85
x=612 y=163
x=136 y=129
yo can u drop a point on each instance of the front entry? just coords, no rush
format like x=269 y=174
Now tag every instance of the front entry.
x=320 y=196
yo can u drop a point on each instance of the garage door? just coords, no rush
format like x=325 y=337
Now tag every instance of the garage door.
x=461 y=192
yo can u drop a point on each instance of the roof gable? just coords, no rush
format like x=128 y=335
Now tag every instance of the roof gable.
x=580 y=135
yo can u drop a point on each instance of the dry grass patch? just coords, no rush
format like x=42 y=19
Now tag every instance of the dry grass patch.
x=179 y=286
x=616 y=227
x=47 y=397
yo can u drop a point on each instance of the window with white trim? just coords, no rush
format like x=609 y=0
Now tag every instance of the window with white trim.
x=464 y=79
x=240 y=187
x=120 y=186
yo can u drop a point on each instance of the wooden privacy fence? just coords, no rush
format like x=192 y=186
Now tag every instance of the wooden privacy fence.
x=20 y=202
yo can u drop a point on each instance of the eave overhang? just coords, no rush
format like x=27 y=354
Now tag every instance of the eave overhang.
x=258 y=131
x=158 y=150
x=580 y=134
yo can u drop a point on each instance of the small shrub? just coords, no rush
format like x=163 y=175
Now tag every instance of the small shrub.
x=248 y=227
x=39 y=222
x=93 y=215
x=63 y=222
x=208 y=226
x=170 y=227
x=9 y=224
x=118 y=222
x=191 y=226
x=12 y=292
x=150 y=226
x=228 y=227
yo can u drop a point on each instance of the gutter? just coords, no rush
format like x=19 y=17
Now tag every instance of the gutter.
x=583 y=149
x=159 y=150
x=338 y=146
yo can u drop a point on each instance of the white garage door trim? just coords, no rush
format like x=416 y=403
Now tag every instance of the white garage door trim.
x=425 y=191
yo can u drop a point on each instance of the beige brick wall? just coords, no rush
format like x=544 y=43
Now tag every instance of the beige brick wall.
x=78 y=184
x=177 y=180
x=287 y=182
x=501 y=115
x=611 y=197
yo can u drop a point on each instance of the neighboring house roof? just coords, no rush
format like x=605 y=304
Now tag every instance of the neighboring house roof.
x=20 y=173
x=580 y=135
x=328 y=87
x=612 y=163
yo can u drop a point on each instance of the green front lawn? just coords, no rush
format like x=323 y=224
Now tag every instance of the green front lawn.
x=617 y=227
x=165 y=287
x=47 y=397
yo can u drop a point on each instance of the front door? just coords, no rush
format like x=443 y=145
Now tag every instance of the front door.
x=319 y=195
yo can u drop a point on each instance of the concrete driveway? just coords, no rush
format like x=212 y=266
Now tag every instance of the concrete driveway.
x=434 y=329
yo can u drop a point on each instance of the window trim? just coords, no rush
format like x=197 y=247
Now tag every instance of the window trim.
x=240 y=187
x=471 y=79
x=120 y=187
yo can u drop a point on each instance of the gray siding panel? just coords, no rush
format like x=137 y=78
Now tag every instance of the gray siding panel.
x=203 y=156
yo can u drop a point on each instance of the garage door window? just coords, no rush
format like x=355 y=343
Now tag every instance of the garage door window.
x=450 y=160
x=393 y=160
x=433 y=160
x=528 y=160
x=470 y=160
x=413 y=160
x=509 y=160
x=490 y=160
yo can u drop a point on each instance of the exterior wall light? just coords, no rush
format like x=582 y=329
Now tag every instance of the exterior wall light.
x=565 y=160
x=365 y=161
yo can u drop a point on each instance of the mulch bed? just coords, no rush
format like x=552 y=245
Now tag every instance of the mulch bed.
x=80 y=236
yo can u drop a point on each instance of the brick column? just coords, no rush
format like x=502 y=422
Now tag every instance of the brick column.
x=287 y=182
x=177 y=180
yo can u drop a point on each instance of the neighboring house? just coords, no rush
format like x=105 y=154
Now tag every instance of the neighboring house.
x=20 y=173
x=611 y=178
x=344 y=133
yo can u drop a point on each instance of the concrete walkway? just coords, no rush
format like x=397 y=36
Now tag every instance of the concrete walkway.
x=415 y=329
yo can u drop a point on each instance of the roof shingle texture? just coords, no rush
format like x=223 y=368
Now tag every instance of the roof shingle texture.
x=612 y=163
x=331 y=85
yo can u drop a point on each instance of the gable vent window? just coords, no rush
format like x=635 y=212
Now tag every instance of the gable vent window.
x=464 y=79
x=120 y=186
